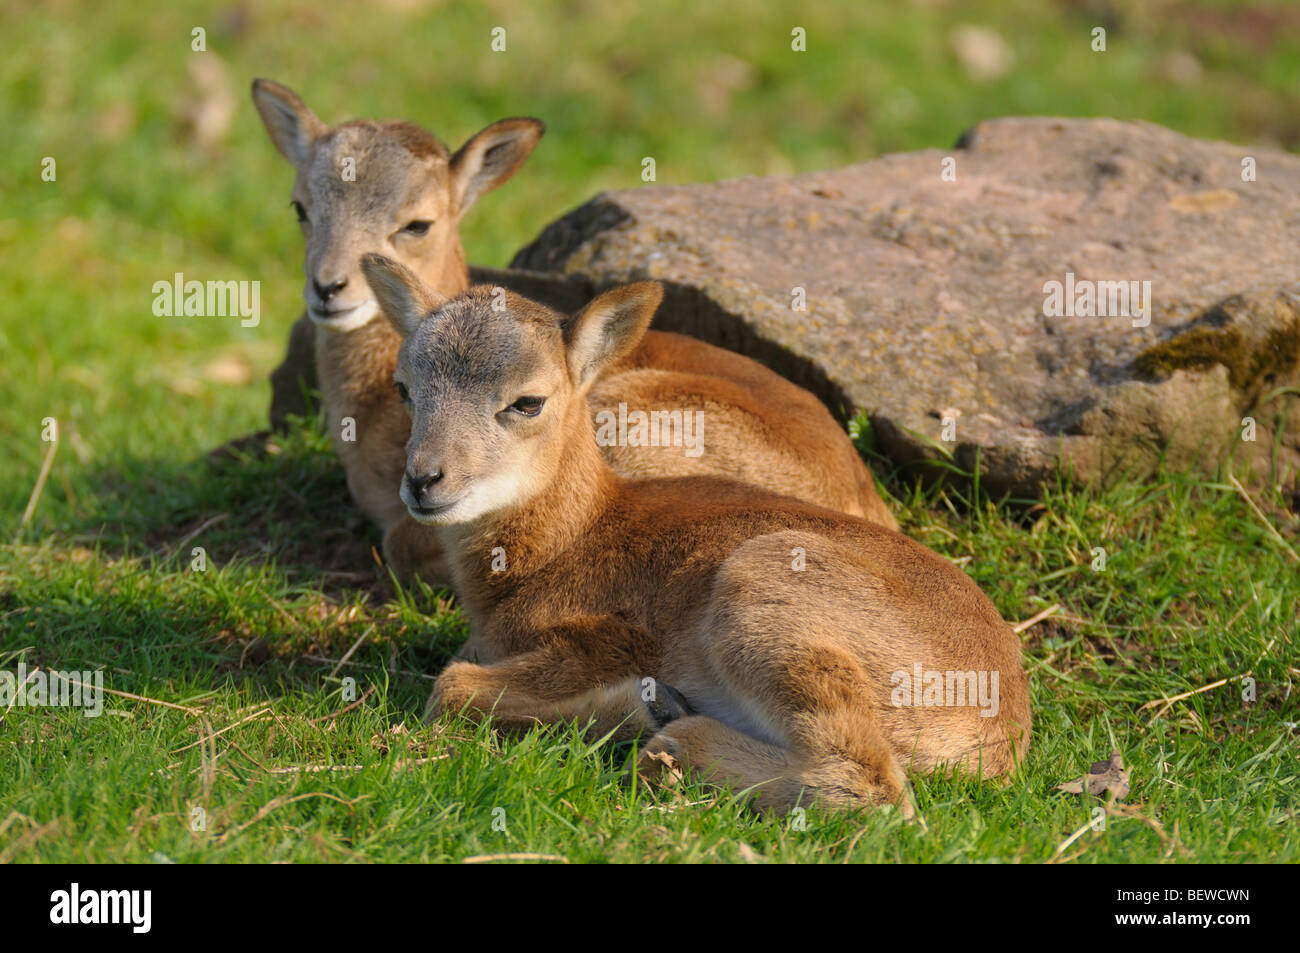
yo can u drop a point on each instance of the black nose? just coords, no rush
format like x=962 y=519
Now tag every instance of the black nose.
x=328 y=291
x=425 y=482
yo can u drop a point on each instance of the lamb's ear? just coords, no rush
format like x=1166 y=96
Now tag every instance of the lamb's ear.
x=607 y=328
x=292 y=125
x=491 y=157
x=402 y=296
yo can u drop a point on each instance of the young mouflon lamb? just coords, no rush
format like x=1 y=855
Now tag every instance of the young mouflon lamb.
x=762 y=641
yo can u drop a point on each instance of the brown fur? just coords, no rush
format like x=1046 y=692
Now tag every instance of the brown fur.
x=580 y=584
x=770 y=432
x=763 y=429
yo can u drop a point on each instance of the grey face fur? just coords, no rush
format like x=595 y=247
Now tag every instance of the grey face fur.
x=483 y=388
x=385 y=188
x=495 y=385
x=398 y=203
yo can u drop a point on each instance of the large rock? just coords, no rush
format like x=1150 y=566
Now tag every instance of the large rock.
x=926 y=300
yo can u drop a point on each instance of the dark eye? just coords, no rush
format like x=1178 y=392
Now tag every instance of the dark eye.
x=299 y=211
x=417 y=228
x=402 y=392
x=528 y=406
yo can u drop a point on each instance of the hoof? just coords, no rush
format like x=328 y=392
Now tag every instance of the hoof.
x=667 y=705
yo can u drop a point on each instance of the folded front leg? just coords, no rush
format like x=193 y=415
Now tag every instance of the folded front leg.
x=554 y=685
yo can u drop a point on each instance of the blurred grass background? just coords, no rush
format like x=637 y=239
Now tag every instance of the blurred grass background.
x=163 y=166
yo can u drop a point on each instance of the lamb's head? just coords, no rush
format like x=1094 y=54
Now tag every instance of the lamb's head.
x=496 y=386
x=387 y=188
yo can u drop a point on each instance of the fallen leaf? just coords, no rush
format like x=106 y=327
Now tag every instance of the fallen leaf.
x=659 y=767
x=1102 y=778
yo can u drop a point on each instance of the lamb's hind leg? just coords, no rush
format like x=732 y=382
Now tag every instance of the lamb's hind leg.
x=773 y=652
x=834 y=751
x=723 y=755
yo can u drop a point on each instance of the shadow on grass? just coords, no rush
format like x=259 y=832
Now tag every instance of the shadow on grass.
x=178 y=646
x=291 y=580
x=264 y=499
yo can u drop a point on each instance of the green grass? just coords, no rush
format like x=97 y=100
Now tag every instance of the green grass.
x=1195 y=589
